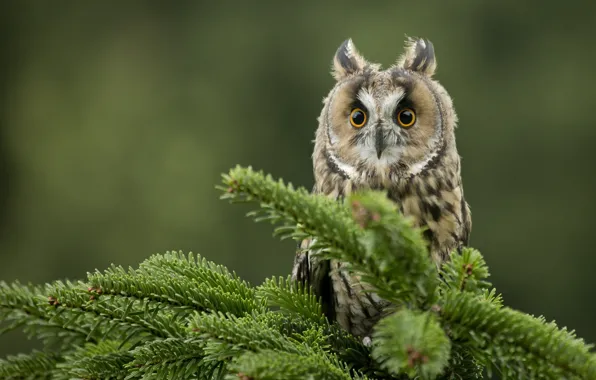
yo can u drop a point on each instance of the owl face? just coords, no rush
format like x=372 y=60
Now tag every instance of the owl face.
x=386 y=122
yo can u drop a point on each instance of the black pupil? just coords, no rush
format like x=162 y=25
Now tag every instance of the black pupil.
x=358 y=117
x=406 y=117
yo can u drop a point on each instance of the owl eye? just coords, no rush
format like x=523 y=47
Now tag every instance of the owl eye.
x=357 y=118
x=406 y=117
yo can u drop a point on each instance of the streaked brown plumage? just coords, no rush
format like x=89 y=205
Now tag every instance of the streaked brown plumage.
x=387 y=129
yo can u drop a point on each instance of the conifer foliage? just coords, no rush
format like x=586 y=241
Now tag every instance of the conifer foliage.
x=180 y=316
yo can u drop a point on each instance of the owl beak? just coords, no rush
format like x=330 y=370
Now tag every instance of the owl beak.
x=379 y=142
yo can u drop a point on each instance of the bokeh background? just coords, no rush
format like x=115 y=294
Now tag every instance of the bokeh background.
x=117 y=118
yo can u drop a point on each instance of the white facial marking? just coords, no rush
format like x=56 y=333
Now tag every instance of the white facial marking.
x=416 y=168
x=368 y=100
x=346 y=168
x=433 y=146
x=390 y=155
x=391 y=101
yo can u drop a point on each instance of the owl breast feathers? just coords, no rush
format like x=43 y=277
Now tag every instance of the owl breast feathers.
x=393 y=130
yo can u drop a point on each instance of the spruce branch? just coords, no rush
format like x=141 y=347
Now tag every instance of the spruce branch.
x=291 y=297
x=33 y=366
x=174 y=358
x=413 y=343
x=300 y=213
x=465 y=272
x=181 y=316
x=517 y=344
x=197 y=269
x=113 y=314
x=396 y=261
x=30 y=308
x=329 y=337
x=185 y=282
x=246 y=332
x=105 y=360
x=464 y=276
x=275 y=365
x=372 y=238
x=261 y=336
x=301 y=311
x=462 y=365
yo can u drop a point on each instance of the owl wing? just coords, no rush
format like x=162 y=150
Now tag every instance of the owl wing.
x=301 y=269
x=466 y=222
x=311 y=271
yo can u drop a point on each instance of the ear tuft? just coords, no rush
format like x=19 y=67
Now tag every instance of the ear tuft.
x=419 y=56
x=347 y=60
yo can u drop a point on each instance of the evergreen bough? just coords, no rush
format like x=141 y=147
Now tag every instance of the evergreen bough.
x=181 y=316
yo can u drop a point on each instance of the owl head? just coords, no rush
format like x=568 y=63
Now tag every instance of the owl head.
x=381 y=125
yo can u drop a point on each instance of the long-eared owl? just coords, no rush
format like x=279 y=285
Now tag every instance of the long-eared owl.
x=393 y=130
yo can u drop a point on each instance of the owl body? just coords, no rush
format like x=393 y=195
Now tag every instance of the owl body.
x=391 y=130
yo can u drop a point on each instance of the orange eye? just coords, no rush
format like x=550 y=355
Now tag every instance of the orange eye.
x=357 y=118
x=406 y=117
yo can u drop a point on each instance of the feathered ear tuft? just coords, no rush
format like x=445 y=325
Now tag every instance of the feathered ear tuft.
x=347 y=60
x=419 y=56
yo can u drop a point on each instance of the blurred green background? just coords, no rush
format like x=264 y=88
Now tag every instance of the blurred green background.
x=117 y=119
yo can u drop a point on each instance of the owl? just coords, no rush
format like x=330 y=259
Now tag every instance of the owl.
x=391 y=130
